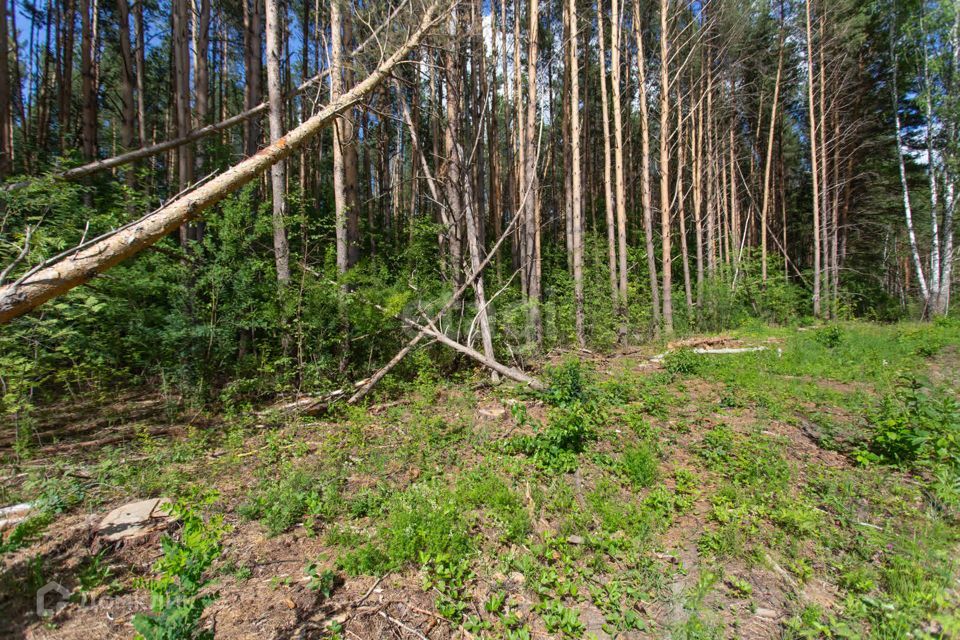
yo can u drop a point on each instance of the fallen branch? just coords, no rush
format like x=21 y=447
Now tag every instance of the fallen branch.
x=729 y=350
x=60 y=277
x=490 y=363
x=707 y=352
x=403 y=626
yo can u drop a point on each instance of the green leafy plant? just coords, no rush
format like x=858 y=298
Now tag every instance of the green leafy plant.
x=323 y=581
x=915 y=424
x=179 y=589
x=448 y=575
x=830 y=336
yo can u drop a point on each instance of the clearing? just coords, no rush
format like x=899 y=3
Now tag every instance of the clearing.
x=803 y=490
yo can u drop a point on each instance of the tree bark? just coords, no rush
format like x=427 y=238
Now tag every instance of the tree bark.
x=88 y=87
x=128 y=108
x=532 y=236
x=768 y=164
x=607 y=168
x=645 y=187
x=340 y=133
x=576 y=194
x=814 y=163
x=665 y=226
x=459 y=190
x=278 y=180
x=6 y=141
x=252 y=38
x=141 y=65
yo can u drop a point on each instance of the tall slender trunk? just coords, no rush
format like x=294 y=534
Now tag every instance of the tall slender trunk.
x=621 y=189
x=696 y=141
x=6 y=141
x=814 y=163
x=181 y=92
x=128 y=111
x=532 y=210
x=681 y=203
x=141 y=64
x=576 y=179
x=646 y=195
x=711 y=201
x=281 y=249
x=459 y=189
x=201 y=45
x=825 y=212
x=88 y=86
x=666 y=260
x=768 y=164
x=340 y=134
x=252 y=36
x=607 y=169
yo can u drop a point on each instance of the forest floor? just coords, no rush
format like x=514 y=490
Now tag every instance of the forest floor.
x=697 y=496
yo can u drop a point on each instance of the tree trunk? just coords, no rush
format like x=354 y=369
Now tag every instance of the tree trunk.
x=768 y=164
x=459 y=188
x=646 y=195
x=6 y=142
x=532 y=196
x=141 y=72
x=278 y=181
x=88 y=87
x=814 y=163
x=681 y=202
x=181 y=92
x=252 y=37
x=666 y=259
x=577 y=212
x=128 y=111
x=340 y=134
x=607 y=169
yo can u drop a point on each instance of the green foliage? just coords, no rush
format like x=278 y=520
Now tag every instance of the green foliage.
x=830 y=336
x=427 y=519
x=560 y=619
x=179 y=590
x=291 y=494
x=96 y=573
x=683 y=362
x=639 y=464
x=322 y=581
x=503 y=507
x=448 y=575
x=915 y=424
x=577 y=410
x=25 y=533
x=570 y=383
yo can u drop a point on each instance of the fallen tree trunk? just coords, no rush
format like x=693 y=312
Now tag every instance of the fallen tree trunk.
x=96 y=166
x=39 y=285
x=490 y=363
x=707 y=352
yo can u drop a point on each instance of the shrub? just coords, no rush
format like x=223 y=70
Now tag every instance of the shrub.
x=683 y=362
x=915 y=424
x=830 y=336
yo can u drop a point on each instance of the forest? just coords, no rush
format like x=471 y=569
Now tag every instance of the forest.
x=430 y=319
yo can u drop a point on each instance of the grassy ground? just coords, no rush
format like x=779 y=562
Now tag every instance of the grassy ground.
x=811 y=489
